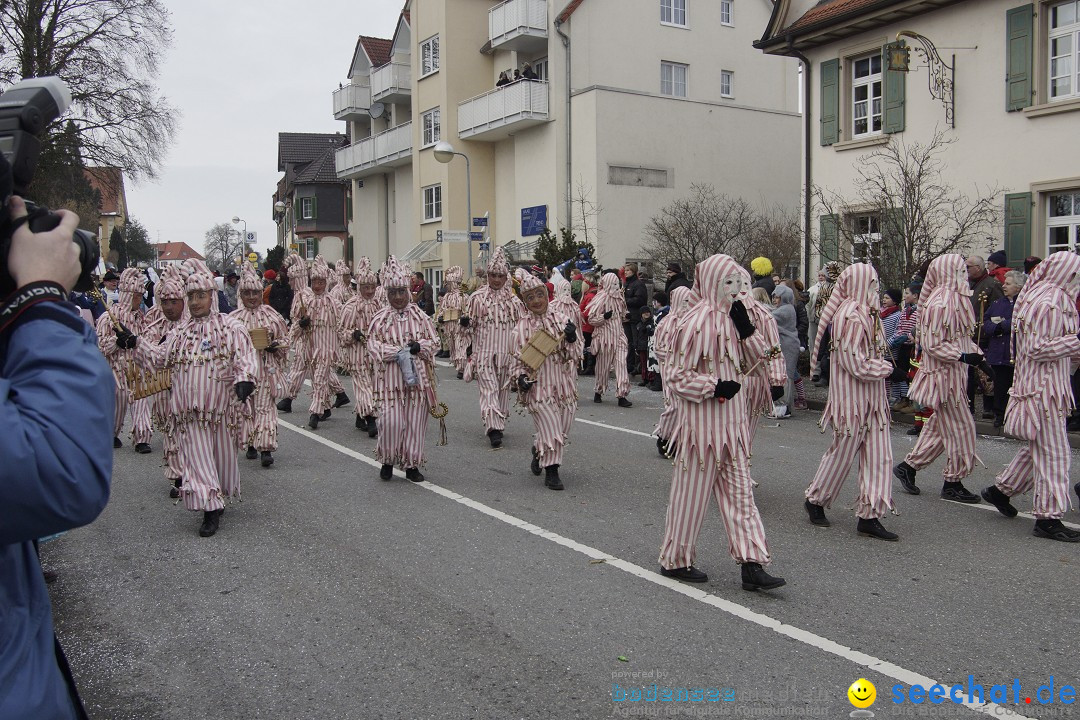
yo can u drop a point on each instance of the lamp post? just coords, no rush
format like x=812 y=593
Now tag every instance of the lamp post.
x=243 y=238
x=444 y=153
x=280 y=216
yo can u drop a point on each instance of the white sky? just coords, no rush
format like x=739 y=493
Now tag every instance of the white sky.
x=240 y=72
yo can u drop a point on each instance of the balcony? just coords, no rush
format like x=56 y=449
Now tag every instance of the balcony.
x=370 y=156
x=498 y=113
x=392 y=83
x=352 y=102
x=519 y=25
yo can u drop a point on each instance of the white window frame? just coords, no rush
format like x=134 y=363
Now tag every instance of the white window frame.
x=1072 y=222
x=432 y=195
x=541 y=68
x=865 y=232
x=307 y=208
x=309 y=248
x=727 y=10
x=431 y=127
x=871 y=81
x=1072 y=58
x=430 y=56
x=672 y=9
x=729 y=76
x=672 y=68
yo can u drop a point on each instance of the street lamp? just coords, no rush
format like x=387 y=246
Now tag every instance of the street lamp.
x=281 y=218
x=243 y=239
x=444 y=153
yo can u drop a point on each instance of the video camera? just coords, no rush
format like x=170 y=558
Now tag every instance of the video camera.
x=26 y=109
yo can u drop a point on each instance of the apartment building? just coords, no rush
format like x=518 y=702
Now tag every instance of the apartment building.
x=631 y=104
x=1006 y=92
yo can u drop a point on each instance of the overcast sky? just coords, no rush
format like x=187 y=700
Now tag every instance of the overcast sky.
x=240 y=72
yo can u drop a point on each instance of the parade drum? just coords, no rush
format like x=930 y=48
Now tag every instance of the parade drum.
x=144 y=384
x=260 y=338
x=536 y=351
x=451 y=314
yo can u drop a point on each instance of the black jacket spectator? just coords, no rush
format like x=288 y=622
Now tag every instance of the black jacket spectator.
x=675 y=281
x=637 y=296
x=281 y=296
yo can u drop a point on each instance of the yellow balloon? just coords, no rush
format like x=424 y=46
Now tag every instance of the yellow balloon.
x=862 y=693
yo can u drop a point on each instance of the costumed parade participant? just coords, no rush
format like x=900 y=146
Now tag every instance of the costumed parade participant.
x=343 y=290
x=214 y=369
x=451 y=310
x=547 y=349
x=564 y=300
x=944 y=330
x=858 y=406
x=491 y=314
x=682 y=298
x=353 y=332
x=763 y=384
x=710 y=346
x=314 y=330
x=1045 y=340
x=605 y=313
x=402 y=341
x=270 y=337
x=125 y=311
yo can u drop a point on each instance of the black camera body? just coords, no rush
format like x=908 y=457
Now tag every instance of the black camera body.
x=26 y=109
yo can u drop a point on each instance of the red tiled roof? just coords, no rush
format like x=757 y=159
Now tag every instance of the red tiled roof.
x=829 y=9
x=176 y=251
x=568 y=10
x=377 y=49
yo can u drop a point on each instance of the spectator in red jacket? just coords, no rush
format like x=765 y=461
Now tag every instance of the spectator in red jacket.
x=589 y=285
x=997 y=265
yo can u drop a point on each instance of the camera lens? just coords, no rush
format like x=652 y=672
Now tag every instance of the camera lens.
x=89 y=256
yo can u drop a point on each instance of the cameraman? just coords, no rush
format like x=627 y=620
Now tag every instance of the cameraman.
x=57 y=415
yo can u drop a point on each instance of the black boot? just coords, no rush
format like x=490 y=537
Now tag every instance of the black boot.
x=686 y=574
x=661 y=447
x=325 y=414
x=341 y=400
x=252 y=453
x=267 y=458
x=414 y=474
x=361 y=422
x=999 y=500
x=754 y=577
x=596 y=398
x=1076 y=489
x=372 y=429
x=551 y=477
x=817 y=514
x=174 y=491
x=623 y=402
x=386 y=472
x=956 y=492
x=1054 y=529
x=535 y=465
x=211 y=519
x=313 y=421
x=460 y=374
x=143 y=448
x=284 y=405
x=906 y=475
x=116 y=443
x=872 y=527
x=495 y=437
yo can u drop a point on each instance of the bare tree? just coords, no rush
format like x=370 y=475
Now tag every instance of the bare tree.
x=221 y=247
x=586 y=212
x=777 y=235
x=904 y=213
x=108 y=52
x=702 y=224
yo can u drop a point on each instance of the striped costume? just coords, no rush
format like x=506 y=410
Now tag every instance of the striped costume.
x=319 y=340
x=130 y=289
x=682 y=299
x=157 y=328
x=355 y=359
x=454 y=301
x=609 y=343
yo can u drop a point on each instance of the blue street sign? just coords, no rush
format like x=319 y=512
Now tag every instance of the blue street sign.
x=479 y=222
x=533 y=220
x=485 y=246
x=477 y=236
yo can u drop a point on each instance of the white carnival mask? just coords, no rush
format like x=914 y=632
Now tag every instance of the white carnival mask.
x=732 y=288
x=873 y=295
x=962 y=286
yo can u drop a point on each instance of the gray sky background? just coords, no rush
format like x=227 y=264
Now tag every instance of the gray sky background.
x=240 y=72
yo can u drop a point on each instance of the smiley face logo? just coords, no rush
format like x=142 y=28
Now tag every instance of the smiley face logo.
x=862 y=693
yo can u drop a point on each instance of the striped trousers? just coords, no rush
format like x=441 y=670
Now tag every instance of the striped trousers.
x=402 y=431
x=607 y=359
x=324 y=381
x=552 y=424
x=208 y=465
x=951 y=429
x=1044 y=466
x=494 y=385
x=262 y=428
x=729 y=482
x=159 y=410
x=874 y=450
x=363 y=392
x=669 y=418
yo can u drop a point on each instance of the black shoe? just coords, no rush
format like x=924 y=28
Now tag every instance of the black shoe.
x=1073 y=424
x=50 y=576
x=596 y=398
x=656 y=385
x=1055 y=530
x=686 y=574
x=872 y=527
x=906 y=475
x=313 y=421
x=361 y=422
x=143 y=448
x=1076 y=489
x=460 y=374
x=116 y=443
x=623 y=402
x=174 y=491
x=661 y=447
x=914 y=430
x=284 y=405
x=414 y=474
x=535 y=465
x=754 y=577
x=958 y=493
x=999 y=500
x=817 y=514
x=372 y=429
x=341 y=400
x=495 y=437
x=643 y=383
x=386 y=472
x=267 y=459
x=988 y=415
x=210 y=523
x=252 y=453
x=325 y=415
x=999 y=421
x=551 y=478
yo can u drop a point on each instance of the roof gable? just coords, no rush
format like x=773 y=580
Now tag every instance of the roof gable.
x=175 y=251
x=299 y=148
x=370 y=52
x=319 y=170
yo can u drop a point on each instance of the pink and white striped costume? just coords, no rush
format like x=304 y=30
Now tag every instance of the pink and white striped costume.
x=207 y=357
x=771 y=372
x=157 y=328
x=945 y=324
x=713 y=437
x=1045 y=326
x=343 y=290
x=320 y=342
x=261 y=431
x=299 y=341
x=456 y=336
x=553 y=400
x=857 y=407
x=403 y=410
x=608 y=339
x=492 y=314
x=682 y=299
x=130 y=287
x=564 y=301
x=355 y=358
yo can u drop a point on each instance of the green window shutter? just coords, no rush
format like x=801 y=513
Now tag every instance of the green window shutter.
x=893 y=120
x=829 y=237
x=314 y=207
x=1017 y=228
x=296 y=210
x=830 y=102
x=315 y=245
x=1019 y=34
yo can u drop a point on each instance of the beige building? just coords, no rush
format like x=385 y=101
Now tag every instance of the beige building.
x=1007 y=96
x=109 y=182
x=631 y=104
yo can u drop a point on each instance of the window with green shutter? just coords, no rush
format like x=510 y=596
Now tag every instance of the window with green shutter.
x=1017 y=227
x=895 y=80
x=1019 y=36
x=314 y=208
x=830 y=102
x=829 y=237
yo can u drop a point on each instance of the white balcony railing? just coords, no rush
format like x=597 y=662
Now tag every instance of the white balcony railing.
x=391 y=79
x=389 y=148
x=498 y=112
x=351 y=101
x=516 y=23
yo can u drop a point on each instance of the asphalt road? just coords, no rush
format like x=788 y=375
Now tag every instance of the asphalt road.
x=480 y=594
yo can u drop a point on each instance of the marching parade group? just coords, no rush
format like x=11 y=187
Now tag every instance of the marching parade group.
x=213 y=383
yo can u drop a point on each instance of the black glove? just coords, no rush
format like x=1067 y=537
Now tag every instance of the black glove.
x=607 y=315
x=726 y=389
x=971 y=358
x=414 y=347
x=463 y=321
x=468 y=351
x=272 y=347
x=305 y=322
x=777 y=392
x=987 y=369
x=358 y=336
x=125 y=339
x=570 y=332
x=741 y=318
x=898 y=374
x=524 y=383
x=243 y=390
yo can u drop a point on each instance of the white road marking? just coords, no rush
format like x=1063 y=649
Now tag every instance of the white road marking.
x=991 y=508
x=616 y=427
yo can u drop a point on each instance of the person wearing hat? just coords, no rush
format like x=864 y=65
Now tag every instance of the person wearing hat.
x=605 y=313
x=549 y=393
x=344 y=291
x=260 y=432
x=125 y=313
x=453 y=301
x=231 y=282
x=110 y=282
x=214 y=368
x=675 y=278
x=997 y=265
x=352 y=333
x=402 y=342
x=762 y=269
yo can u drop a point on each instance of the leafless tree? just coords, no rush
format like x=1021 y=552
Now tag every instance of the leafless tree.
x=221 y=247
x=586 y=211
x=777 y=235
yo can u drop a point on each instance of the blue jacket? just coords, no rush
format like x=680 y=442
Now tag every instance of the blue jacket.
x=56 y=446
x=996 y=337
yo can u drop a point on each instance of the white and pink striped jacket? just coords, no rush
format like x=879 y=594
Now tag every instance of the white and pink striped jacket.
x=492 y=318
x=556 y=380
